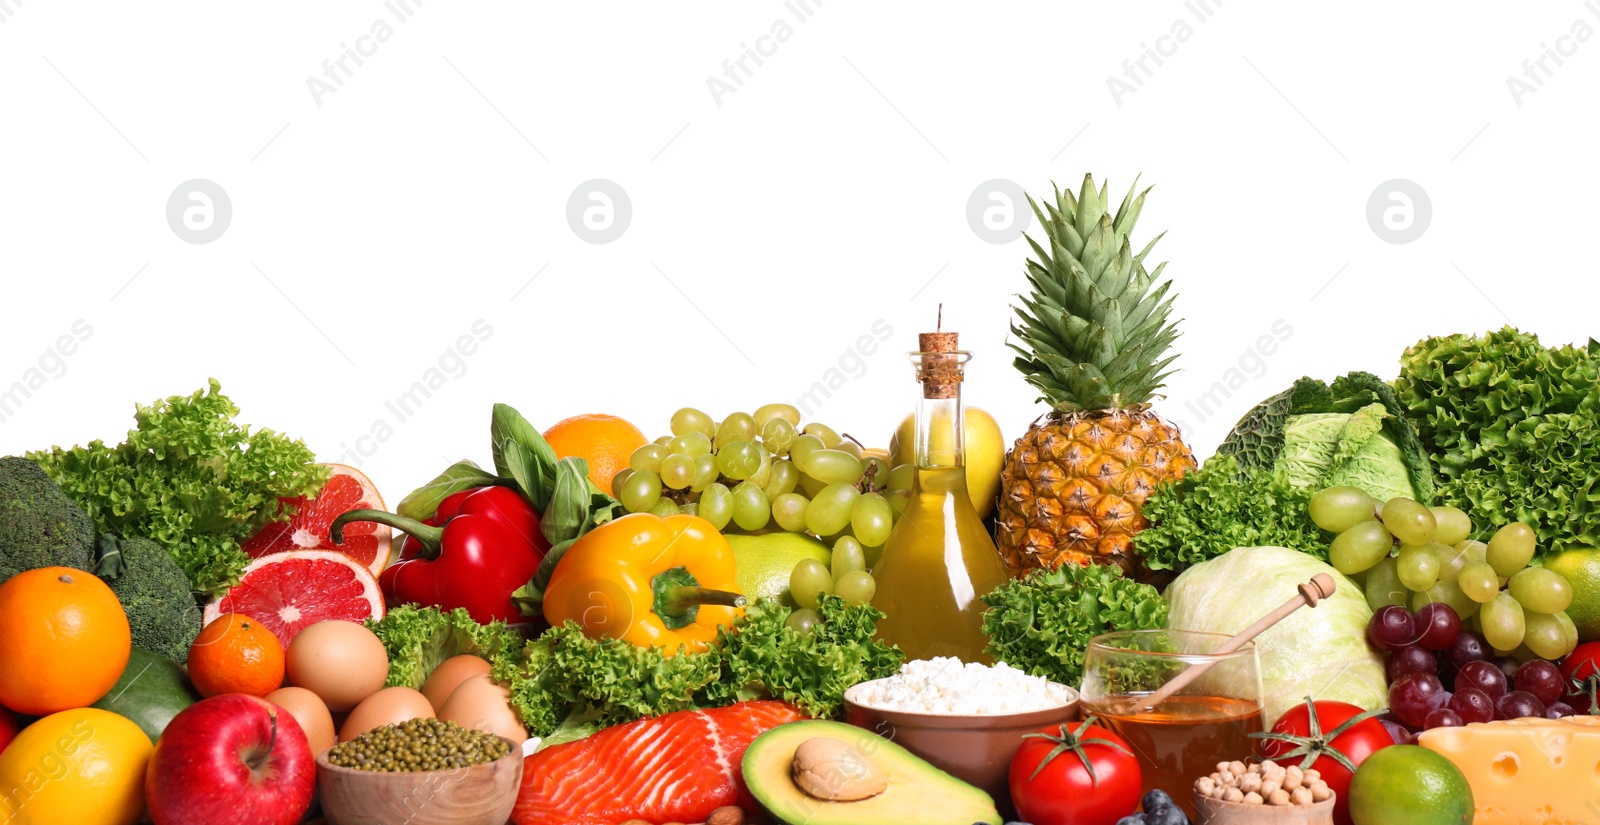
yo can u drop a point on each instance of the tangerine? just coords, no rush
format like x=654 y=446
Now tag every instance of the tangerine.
x=236 y=654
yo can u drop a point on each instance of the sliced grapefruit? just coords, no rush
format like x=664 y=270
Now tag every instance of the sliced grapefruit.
x=289 y=591
x=347 y=489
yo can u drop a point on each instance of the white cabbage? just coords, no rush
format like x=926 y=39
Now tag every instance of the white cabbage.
x=1319 y=652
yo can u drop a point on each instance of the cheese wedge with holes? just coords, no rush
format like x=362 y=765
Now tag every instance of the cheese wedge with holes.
x=1527 y=771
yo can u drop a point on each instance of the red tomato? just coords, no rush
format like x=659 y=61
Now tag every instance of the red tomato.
x=1060 y=791
x=1357 y=742
x=1581 y=668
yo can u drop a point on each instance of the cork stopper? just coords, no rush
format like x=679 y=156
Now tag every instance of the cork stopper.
x=940 y=369
x=938 y=341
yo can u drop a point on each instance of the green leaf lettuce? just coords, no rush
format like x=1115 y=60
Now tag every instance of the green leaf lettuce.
x=1213 y=510
x=191 y=479
x=1042 y=623
x=1513 y=430
x=764 y=658
x=417 y=639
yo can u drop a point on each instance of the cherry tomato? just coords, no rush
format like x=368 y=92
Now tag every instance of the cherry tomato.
x=1060 y=790
x=1581 y=669
x=1355 y=743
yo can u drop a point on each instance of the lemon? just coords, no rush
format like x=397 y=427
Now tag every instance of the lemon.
x=1409 y=784
x=1581 y=567
x=764 y=562
x=83 y=766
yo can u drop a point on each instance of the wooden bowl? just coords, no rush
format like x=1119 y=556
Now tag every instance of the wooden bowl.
x=1216 y=812
x=975 y=749
x=479 y=795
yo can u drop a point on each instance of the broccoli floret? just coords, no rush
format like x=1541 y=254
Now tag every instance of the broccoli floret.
x=39 y=525
x=154 y=592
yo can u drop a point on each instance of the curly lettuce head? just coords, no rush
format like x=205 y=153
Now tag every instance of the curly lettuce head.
x=190 y=478
x=1513 y=430
x=1042 y=623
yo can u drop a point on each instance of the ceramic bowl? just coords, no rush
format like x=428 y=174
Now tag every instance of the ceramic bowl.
x=974 y=749
x=1216 y=812
x=479 y=795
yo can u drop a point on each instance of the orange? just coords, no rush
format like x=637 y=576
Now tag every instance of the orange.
x=64 y=640
x=84 y=766
x=236 y=654
x=605 y=441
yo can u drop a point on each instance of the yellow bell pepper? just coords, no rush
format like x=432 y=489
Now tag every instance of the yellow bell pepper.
x=653 y=581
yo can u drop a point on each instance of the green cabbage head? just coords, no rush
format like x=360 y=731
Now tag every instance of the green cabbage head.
x=1330 y=449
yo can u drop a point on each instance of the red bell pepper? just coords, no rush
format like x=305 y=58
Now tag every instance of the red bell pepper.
x=474 y=552
x=449 y=507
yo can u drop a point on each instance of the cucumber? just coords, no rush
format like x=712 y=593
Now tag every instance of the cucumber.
x=150 y=692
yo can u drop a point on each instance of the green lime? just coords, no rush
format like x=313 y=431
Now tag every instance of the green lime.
x=1410 y=784
x=764 y=562
x=1581 y=567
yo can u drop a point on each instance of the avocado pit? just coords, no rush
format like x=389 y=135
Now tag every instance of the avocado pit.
x=833 y=771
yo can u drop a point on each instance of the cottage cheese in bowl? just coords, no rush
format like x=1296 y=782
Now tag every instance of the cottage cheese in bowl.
x=947 y=687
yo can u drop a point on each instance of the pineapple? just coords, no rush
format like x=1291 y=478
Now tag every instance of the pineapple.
x=1094 y=339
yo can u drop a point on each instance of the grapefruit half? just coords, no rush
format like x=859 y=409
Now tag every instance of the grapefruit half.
x=347 y=489
x=289 y=591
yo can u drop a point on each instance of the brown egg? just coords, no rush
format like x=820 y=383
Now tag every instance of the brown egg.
x=386 y=707
x=449 y=675
x=310 y=712
x=481 y=704
x=341 y=662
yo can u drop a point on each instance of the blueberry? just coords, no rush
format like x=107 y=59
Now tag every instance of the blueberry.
x=1153 y=798
x=1165 y=815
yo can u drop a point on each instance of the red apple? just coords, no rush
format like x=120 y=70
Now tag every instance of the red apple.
x=231 y=758
x=8 y=727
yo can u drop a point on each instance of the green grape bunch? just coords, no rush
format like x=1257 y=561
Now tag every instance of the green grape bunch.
x=751 y=472
x=1407 y=554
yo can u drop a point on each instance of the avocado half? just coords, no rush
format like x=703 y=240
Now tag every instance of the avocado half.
x=918 y=793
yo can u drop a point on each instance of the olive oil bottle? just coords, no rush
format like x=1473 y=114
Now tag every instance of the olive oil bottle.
x=939 y=560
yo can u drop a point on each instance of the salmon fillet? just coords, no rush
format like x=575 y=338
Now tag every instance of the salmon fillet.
x=674 y=768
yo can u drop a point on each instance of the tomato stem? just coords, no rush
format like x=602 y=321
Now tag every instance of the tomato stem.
x=1316 y=744
x=1590 y=686
x=1074 y=740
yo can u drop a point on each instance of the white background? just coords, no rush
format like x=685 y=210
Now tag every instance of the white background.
x=770 y=228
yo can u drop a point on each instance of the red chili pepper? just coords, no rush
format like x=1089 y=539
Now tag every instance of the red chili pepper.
x=477 y=549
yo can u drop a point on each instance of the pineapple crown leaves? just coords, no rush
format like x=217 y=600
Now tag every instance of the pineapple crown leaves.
x=1094 y=334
